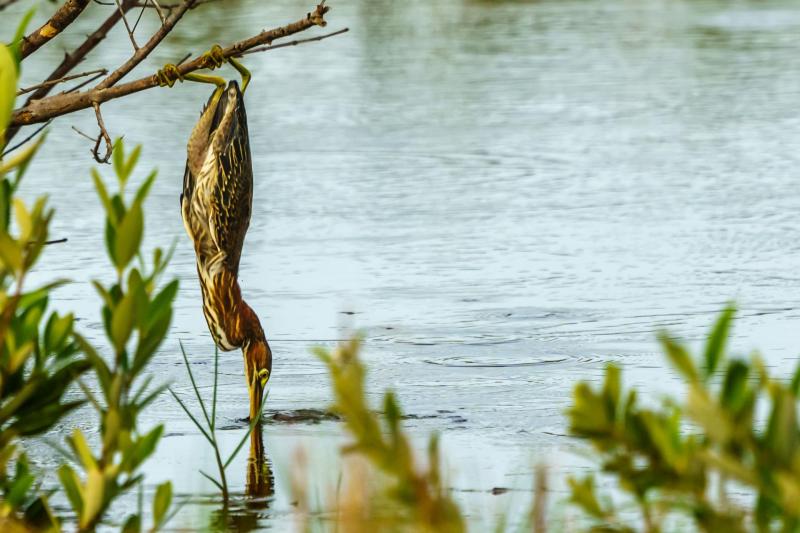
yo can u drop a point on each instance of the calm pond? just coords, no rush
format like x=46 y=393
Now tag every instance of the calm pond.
x=502 y=195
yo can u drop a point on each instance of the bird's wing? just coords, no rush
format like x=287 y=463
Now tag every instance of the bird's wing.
x=186 y=199
x=233 y=192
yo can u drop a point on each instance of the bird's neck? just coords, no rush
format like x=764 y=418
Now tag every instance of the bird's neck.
x=250 y=325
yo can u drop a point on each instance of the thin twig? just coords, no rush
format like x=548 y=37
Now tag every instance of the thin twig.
x=56 y=241
x=63 y=17
x=62 y=104
x=82 y=134
x=50 y=83
x=139 y=18
x=104 y=136
x=184 y=58
x=85 y=82
x=145 y=50
x=72 y=60
x=5 y=3
x=28 y=138
x=170 y=7
x=295 y=42
x=158 y=10
x=127 y=26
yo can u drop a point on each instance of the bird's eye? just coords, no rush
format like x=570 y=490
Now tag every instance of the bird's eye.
x=263 y=376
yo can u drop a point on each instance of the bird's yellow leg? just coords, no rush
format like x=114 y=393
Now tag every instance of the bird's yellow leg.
x=215 y=58
x=243 y=71
x=168 y=75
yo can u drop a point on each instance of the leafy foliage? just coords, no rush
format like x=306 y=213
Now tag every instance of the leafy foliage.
x=136 y=317
x=670 y=470
x=39 y=359
x=411 y=499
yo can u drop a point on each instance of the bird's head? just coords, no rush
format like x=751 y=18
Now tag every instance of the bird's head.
x=258 y=362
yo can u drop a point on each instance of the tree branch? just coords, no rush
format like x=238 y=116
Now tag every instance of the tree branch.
x=62 y=18
x=72 y=60
x=139 y=55
x=127 y=26
x=61 y=104
x=5 y=3
x=295 y=42
x=50 y=83
x=103 y=135
x=168 y=7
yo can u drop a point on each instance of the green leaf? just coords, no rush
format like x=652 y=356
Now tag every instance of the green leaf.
x=141 y=449
x=122 y=322
x=94 y=496
x=715 y=347
x=102 y=192
x=10 y=253
x=583 y=495
x=72 y=487
x=129 y=236
x=679 y=357
x=132 y=160
x=44 y=418
x=8 y=89
x=734 y=389
x=141 y=194
x=161 y=502
x=161 y=305
x=19 y=489
x=98 y=363
x=57 y=331
x=21 y=159
x=82 y=450
x=16 y=42
x=782 y=429
x=119 y=162
x=133 y=524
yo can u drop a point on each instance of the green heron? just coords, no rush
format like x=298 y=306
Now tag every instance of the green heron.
x=216 y=204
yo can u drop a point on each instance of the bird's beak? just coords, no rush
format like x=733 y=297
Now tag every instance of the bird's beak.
x=257 y=392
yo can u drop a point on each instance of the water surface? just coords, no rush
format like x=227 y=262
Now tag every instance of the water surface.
x=502 y=195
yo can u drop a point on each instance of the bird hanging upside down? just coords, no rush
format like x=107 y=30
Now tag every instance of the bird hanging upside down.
x=216 y=204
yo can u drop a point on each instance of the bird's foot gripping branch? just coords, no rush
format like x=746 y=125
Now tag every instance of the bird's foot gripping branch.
x=40 y=108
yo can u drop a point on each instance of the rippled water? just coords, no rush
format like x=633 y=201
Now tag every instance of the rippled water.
x=503 y=195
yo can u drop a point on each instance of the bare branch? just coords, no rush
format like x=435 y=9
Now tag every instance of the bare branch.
x=61 y=80
x=127 y=26
x=84 y=135
x=145 y=50
x=5 y=3
x=62 y=18
x=28 y=138
x=295 y=42
x=169 y=7
x=62 y=104
x=86 y=82
x=70 y=61
x=139 y=18
x=103 y=135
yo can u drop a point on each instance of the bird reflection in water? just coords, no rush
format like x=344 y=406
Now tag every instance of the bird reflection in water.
x=249 y=512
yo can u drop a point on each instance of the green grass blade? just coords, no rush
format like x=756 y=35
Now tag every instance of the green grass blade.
x=214 y=397
x=194 y=386
x=191 y=416
x=211 y=479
